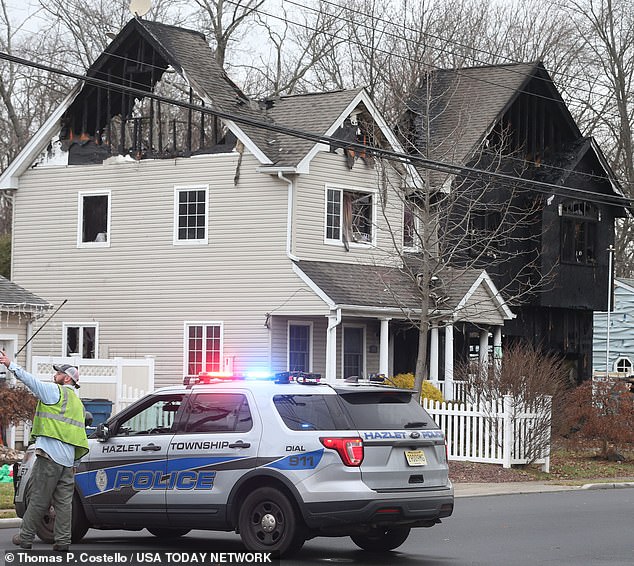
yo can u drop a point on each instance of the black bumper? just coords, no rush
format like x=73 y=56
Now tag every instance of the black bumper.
x=399 y=511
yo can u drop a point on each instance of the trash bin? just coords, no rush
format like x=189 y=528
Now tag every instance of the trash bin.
x=100 y=409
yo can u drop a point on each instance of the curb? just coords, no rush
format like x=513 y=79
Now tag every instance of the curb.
x=10 y=523
x=616 y=485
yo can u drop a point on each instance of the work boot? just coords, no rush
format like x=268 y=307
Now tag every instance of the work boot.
x=17 y=540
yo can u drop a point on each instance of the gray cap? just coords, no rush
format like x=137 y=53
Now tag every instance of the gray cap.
x=70 y=371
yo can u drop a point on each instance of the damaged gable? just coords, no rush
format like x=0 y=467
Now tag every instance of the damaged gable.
x=104 y=120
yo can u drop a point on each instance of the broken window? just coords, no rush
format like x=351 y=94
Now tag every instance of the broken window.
x=80 y=339
x=579 y=232
x=349 y=216
x=485 y=235
x=191 y=215
x=94 y=219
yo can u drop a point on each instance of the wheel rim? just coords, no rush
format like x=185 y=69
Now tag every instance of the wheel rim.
x=267 y=523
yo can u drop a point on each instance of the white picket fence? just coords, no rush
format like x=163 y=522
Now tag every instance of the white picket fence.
x=498 y=432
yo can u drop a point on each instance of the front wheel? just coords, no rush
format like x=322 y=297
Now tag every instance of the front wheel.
x=381 y=539
x=79 y=524
x=269 y=523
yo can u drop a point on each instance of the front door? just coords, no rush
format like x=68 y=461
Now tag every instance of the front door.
x=353 y=359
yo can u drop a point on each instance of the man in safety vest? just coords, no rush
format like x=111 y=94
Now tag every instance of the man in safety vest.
x=60 y=441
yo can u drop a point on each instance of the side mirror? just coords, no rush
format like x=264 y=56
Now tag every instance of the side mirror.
x=102 y=432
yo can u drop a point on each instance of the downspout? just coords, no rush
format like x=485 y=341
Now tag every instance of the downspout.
x=331 y=346
x=289 y=217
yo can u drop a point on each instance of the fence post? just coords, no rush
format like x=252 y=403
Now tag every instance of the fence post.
x=507 y=423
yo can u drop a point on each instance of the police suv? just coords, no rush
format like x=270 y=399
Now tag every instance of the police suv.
x=278 y=462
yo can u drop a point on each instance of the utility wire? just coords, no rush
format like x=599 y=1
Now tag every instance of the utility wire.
x=458 y=72
x=403 y=158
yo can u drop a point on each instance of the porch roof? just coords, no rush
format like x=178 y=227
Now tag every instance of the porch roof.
x=14 y=298
x=461 y=294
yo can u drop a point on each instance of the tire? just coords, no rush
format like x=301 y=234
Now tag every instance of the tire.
x=268 y=522
x=79 y=524
x=168 y=533
x=381 y=539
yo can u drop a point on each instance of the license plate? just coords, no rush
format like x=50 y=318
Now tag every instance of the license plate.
x=415 y=457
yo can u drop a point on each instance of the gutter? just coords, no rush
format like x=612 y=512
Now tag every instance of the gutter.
x=289 y=216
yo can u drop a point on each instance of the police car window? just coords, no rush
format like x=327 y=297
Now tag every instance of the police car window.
x=386 y=410
x=310 y=412
x=218 y=412
x=155 y=418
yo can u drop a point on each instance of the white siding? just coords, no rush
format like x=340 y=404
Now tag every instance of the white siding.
x=142 y=288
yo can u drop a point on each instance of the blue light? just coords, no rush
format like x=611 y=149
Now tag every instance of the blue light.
x=259 y=374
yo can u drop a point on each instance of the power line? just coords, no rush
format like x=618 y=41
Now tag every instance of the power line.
x=458 y=170
x=455 y=71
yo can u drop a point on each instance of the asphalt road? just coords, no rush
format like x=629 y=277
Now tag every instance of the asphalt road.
x=576 y=528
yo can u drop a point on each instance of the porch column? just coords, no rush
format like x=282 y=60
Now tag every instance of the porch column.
x=484 y=349
x=448 y=393
x=433 y=354
x=331 y=346
x=384 y=347
x=497 y=349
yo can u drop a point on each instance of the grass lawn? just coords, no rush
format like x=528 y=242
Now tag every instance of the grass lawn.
x=6 y=501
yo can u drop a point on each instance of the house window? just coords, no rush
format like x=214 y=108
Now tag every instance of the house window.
x=579 y=232
x=484 y=233
x=299 y=352
x=203 y=347
x=353 y=348
x=94 y=220
x=190 y=214
x=623 y=365
x=349 y=216
x=80 y=339
x=410 y=226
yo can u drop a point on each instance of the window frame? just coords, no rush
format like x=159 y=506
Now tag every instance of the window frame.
x=584 y=217
x=416 y=226
x=81 y=325
x=186 y=351
x=309 y=325
x=80 y=219
x=178 y=189
x=629 y=371
x=372 y=193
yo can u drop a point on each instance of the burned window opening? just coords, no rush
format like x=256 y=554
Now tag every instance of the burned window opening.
x=94 y=221
x=103 y=122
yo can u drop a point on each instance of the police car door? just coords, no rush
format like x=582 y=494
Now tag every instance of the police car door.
x=124 y=478
x=216 y=443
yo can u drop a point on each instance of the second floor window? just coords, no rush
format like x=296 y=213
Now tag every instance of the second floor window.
x=349 y=216
x=94 y=220
x=80 y=339
x=579 y=232
x=203 y=347
x=190 y=214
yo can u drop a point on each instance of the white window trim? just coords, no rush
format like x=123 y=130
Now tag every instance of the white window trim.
x=621 y=358
x=186 y=326
x=310 y=342
x=199 y=242
x=417 y=228
x=66 y=325
x=80 y=217
x=339 y=241
x=364 y=346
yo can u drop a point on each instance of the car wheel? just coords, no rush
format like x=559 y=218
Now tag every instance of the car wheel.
x=381 y=539
x=269 y=523
x=79 y=524
x=168 y=533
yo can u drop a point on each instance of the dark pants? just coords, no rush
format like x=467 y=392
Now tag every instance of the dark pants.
x=51 y=484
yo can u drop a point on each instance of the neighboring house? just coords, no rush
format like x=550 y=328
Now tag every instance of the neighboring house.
x=619 y=358
x=20 y=310
x=216 y=244
x=552 y=265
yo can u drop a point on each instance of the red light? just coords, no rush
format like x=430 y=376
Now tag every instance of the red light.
x=350 y=450
x=389 y=511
